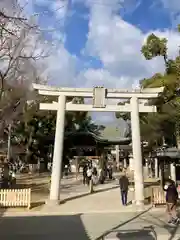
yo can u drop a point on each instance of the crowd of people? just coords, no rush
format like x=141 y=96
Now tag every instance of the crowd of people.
x=8 y=170
x=98 y=175
x=7 y=177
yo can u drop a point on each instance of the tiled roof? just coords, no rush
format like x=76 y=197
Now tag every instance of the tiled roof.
x=112 y=133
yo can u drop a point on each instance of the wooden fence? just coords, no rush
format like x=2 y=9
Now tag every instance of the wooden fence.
x=158 y=196
x=15 y=198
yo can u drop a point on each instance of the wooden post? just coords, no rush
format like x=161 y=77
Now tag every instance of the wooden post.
x=162 y=172
x=77 y=160
x=91 y=189
x=117 y=157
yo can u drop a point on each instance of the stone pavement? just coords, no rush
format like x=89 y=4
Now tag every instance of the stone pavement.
x=90 y=217
x=74 y=194
x=71 y=189
x=92 y=226
x=105 y=199
x=77 y=200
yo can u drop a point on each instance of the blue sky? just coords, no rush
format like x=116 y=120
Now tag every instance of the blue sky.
x=146 y=15
x=98 y=42
x=75 y=30
x=149 y=16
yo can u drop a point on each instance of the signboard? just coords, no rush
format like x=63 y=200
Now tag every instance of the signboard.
x=99 y=97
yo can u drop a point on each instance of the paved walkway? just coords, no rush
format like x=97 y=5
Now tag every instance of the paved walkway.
x=76 y=199
x=70 y=188
x=86 y=218
x=105 y=199
x=89 y=226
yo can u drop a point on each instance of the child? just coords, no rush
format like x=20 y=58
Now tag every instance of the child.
x=171 y=201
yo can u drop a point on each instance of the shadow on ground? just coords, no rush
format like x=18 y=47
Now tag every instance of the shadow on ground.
x=152 y=223
x=146 y=234
x=103 y=190
x=143 y=234
x=43 y=228
x=87 y=193
x=2 y=210
x=116 y=228
x=158 y=222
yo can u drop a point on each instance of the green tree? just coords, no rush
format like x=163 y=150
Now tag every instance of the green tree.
x=36 y=129
x=168 y=116
x=154 y=47
x=165 y=124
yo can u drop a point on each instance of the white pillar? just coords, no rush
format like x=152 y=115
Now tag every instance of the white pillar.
x=173 y=171
x=131 y=164
x=58 y=151
x=137 y=154
x=117 y=156
x=156 y=167
x=146 y=169
x=125 y=163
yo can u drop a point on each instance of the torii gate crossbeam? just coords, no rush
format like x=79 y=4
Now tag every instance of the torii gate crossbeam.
x=134 y=107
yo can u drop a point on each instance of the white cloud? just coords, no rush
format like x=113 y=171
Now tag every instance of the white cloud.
x=112 y=40
x=61 y=67
x=118 y=45
x=115 y=42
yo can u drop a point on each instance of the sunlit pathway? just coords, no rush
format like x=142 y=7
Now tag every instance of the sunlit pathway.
x=86 y=226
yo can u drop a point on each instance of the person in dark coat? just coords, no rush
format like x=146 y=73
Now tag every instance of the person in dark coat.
x=124 y=184
x=171 y=201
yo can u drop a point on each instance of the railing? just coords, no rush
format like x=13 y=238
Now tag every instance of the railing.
x=15 y=198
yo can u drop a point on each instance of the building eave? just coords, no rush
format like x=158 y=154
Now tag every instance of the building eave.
x=99 y=139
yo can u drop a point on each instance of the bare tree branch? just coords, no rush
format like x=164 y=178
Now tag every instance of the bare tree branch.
x=20 y=49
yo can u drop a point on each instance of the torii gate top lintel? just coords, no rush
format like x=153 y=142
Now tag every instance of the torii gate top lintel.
x=146 y=93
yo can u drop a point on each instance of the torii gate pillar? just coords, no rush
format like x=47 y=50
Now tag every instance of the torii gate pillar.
x=137 y=152
x=58 y=151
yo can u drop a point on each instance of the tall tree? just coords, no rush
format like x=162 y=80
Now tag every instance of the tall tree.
x=165 y=124
x=168 y=116
x=20 y=50
x=35 y=130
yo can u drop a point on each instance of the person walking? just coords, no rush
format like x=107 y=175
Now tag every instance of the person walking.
x=94 y=175
x=89 y=175
x=85 y=174
x=171 y=201
x=124 y=184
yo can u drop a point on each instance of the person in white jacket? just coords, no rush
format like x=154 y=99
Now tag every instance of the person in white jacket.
x=89 y=175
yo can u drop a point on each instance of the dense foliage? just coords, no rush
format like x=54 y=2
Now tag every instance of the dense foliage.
x=163 y=126
x=30 y=130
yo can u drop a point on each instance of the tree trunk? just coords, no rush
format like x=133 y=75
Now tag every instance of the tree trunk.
x=28 y=145
x=9 y=142
x=77 y=167
x=46 y=163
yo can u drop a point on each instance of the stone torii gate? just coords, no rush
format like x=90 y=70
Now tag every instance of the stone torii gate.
x=138 y=103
